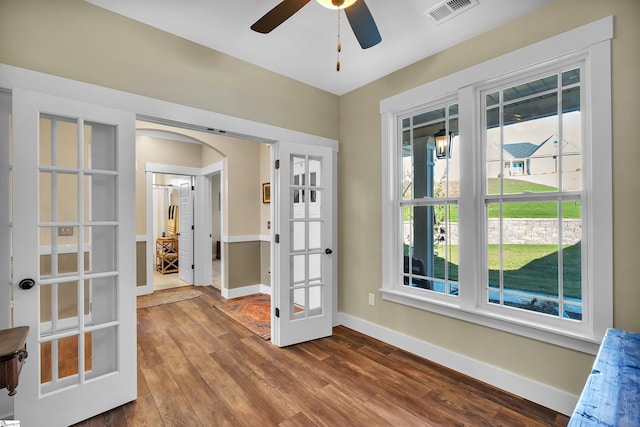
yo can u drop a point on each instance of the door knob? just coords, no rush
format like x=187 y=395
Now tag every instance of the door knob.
x=328 y=251
x=26 y=284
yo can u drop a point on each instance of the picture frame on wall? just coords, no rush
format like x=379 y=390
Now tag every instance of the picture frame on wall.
x=266 y=192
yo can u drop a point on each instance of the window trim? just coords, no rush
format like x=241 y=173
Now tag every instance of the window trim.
x=591 y=42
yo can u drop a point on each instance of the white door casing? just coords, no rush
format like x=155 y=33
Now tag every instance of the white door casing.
x=302 y=289
x=185 y=233
x=74 y=205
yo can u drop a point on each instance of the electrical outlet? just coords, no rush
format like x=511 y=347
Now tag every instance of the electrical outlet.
x=372 y=299
x=65 y=231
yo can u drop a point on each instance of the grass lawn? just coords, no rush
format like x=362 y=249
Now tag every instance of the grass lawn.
x=530 y=268
x=570 y=210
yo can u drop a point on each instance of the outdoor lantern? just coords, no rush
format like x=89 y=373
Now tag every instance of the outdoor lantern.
x=443 y=144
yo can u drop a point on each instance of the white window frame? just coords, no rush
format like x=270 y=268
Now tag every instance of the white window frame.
x=590 y=43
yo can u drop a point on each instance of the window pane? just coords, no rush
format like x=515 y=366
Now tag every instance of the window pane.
x=530 y=88
x=407 y=166
x=529 y=150
x=572 y=261
x=571 y=148
x=523 y=256
x=424 y=159
x=571 y=77
x=492 y=99
x=429 y=116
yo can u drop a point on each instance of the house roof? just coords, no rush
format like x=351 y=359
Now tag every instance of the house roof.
x=521 y=150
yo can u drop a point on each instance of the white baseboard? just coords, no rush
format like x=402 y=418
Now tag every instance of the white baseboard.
x=245 y=290
x=6 y=406
x=542 y=394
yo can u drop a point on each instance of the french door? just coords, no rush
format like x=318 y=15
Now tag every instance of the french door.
x=73 y=257
x=303 y=248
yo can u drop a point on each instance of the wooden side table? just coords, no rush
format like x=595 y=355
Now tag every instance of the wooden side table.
x=13 y=353
x=166 y=255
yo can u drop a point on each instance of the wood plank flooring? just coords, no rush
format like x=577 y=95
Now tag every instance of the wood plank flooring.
x=197 y=367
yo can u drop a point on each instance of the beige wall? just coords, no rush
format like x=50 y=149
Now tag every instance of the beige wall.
x=360 y=194
x=244 y=163
x=141 y=263
x=78 y=40
x=243 y=263
x=98 y=48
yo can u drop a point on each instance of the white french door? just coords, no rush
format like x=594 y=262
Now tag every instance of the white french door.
x=302 y=289
x=73 y=257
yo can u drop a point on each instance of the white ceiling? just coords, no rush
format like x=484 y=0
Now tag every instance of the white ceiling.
x=304 y=46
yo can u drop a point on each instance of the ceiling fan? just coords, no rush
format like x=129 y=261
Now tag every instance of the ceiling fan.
x=358 y=14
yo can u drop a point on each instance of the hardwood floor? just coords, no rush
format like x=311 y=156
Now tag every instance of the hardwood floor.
x=196 y=367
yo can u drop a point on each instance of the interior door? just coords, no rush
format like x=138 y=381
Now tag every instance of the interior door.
x=185 y=241
x=74 y=257
x=303 y=284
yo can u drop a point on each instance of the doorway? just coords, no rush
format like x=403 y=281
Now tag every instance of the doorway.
x=168 y=229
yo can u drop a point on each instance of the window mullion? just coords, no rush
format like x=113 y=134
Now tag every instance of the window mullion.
x=470 y=229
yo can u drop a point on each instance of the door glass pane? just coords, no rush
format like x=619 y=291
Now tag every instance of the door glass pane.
x=100 y=206
x=298 y=205
x=102 y=239
x=59 y=306
x=315 y=204
x=59 y=361
x=101 y=349
x=58 y=143
x=104 y=295
x=315 y=300
x=45 y=182
x=315 y=235
x=99 y=146
x=66 y=190
x=298 y=268
x=298 y=240
x=58 y=251
x=298 y=303
x=315 y=266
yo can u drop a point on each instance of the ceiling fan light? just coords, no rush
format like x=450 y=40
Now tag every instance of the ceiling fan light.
x=329 y=4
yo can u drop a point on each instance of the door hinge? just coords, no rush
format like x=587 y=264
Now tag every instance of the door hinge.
x=277 y=312
x=193 y=227
x=277 y=238
x=193 y=188
x=277 y=164
x=193 y=267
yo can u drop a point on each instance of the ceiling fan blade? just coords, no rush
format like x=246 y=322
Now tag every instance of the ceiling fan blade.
x=278 y=15
x=363 y=25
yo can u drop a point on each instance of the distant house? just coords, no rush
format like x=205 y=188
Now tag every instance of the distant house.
x=526 y=158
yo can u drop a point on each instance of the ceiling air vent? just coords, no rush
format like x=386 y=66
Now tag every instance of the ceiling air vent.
x=448 y=9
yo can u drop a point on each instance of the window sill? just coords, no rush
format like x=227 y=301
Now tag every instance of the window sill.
x=568 y=339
